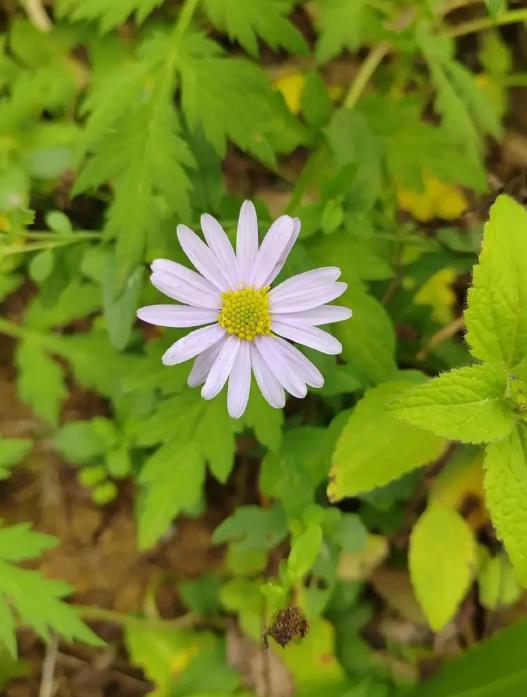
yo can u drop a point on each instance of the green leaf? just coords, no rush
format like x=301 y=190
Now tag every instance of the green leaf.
x=496 y=319
x=245 y=22
x=374 y=447
x=12 y=451
x=442 y=558
x=368 y=338
x=304 y=552
x=82 y=441
x=213 y=88
x=108 y=14
x=40 y=381
x=134 y=138
x=492 y=668
x=345 y=25
x=253 y=529
x=76 y=301
x=36 y=600
x=265 y=421
x=120 y=309
x=41 y=265
x=315 y=101
x=506 y=496
x=466 y=110
x=173 y=478
x=467 y=404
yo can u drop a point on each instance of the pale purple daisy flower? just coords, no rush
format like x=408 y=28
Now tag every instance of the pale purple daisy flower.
x=247 y=322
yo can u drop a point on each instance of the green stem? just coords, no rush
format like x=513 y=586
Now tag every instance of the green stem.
x=185 y=17
x=365 y=72
x=57 y=236
x=482 y=23
x=310 y=170
x=36 y=246
x=90 y=612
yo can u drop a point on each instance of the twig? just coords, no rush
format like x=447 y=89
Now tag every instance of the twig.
x=443 y=334
x=47 y=682
x=38 y=15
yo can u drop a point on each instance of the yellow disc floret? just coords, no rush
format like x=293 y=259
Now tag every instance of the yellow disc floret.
x=245 y=313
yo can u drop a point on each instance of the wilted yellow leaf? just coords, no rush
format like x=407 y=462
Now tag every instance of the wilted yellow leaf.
x=291 y=87
x=437 y=200
x=358 y=565
x=438 y=293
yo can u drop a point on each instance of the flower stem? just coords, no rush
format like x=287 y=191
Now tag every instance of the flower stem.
x=482 y=23
x=91 y=612
x=185 y=17
x=365 y=72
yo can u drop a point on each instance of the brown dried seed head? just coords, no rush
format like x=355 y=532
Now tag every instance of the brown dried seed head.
x=287 y=624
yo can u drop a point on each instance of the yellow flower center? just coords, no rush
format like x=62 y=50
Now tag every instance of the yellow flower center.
x=245 y=313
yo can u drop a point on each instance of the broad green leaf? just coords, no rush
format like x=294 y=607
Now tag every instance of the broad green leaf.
x=83 y=441
x=466 y=110
x=213 y=88
x=252 y=528
x=265 y=421
x=108 y=14
x=368 y=338
x=12 y=451
x=442 y=558
x=20 y=542
x=492 y=668
x=165 y=655
x=133 y=139
x=304 y=552
x=77 y=300
x=173 y=478
x=374 y=447
x=312 y=662
x=498 y=586
x=120 y=306
x=247 y=21
x=345 y=25
x=496 y=319
x=506 y=496
x=467 y=404
x=40 y=381
x=243 y=596
x=36 y=600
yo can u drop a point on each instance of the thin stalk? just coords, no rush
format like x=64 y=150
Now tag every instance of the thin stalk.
x=185 y=17
x=482 y=23
x=90 y=612
x=52 y=342
x=365 y=72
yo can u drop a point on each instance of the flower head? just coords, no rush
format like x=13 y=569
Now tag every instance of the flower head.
x=245 y=325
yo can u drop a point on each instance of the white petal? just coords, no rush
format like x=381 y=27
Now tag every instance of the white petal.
x=202 y=257
x=221 y=368
x=240 y=382
x=273 y=252
x=183 y=274
x=304 y=281
x=277 y=362
x=203 y=364
x=309 y=336
x=309 y=372
x=176 y=315
x=184 y=285
x=219 y=243
x=307 y=298
x=325 y=314
x=192 y=344
x=271 y=389
x=247 y=239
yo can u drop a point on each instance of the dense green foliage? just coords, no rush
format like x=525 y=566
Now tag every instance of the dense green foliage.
x=371 y=121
